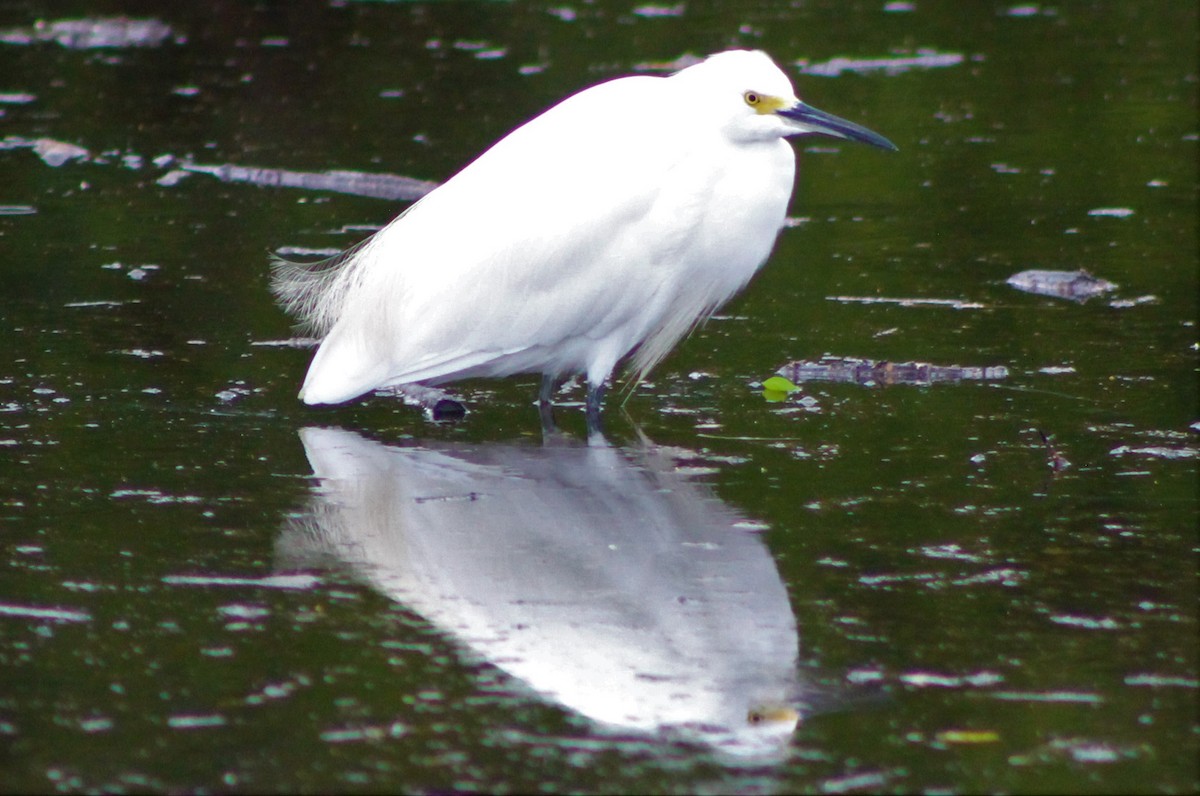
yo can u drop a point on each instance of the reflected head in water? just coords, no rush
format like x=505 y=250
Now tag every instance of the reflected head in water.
x=606 y=580
x=607 y=227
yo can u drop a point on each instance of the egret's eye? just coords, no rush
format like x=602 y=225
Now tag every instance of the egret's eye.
x=752 y=99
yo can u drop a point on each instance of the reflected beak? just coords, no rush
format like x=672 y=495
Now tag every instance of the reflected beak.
x=779 y=714
x=808 y=120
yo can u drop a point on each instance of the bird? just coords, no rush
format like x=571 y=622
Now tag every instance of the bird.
x=604 y=229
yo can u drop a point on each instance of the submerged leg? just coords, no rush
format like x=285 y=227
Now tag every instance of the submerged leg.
x=546 y=406
x=595 y=402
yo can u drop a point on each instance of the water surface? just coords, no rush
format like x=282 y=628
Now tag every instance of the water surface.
x=988 y=585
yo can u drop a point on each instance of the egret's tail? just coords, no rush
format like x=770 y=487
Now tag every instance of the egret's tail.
x=315 y=293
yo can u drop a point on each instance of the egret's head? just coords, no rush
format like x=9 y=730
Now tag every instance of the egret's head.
x=758 y=103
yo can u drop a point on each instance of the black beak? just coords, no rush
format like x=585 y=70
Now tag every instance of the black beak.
x=809 y=120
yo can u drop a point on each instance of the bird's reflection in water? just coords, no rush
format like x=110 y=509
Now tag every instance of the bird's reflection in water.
x=606 y=579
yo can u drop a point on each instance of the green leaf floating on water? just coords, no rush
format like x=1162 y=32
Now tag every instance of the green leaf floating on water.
x=777 y=388
x=779 y=384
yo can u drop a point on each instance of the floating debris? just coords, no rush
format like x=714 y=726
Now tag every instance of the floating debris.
x=1086 y=622
x=1073 y=285
x=173 y=178
x=53 y=153
x=652 y=11
x=376 y=186
x=892 y=65
x=872 y=373
x=1124 y=304
x=56 y=153
x=980 y=679
x=291 y=342
x=1160 y=681
x=51 y=614
x=89 y=34
x=195 y=722
x=867 y=782
x=1027 y=10
x=233 y=393
x=1111 y=212
x=86 y=304
x=268 y=582
x=957 y=304
x=438 y=404
x=1156 y=452
x=392 y=187
x=1068 y=697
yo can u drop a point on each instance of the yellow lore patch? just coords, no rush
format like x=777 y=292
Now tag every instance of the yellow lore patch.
x=765 y=103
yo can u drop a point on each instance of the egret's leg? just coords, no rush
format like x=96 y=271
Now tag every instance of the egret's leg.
x=546 y=406
x=595 y=402
x=546 y=394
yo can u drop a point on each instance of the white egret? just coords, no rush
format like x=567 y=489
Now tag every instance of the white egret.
x=609 y=225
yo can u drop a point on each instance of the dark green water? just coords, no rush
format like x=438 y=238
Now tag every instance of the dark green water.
x=184 y=608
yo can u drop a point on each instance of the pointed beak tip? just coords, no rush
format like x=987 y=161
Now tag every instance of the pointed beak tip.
x=862 y=135
x=818 y=122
